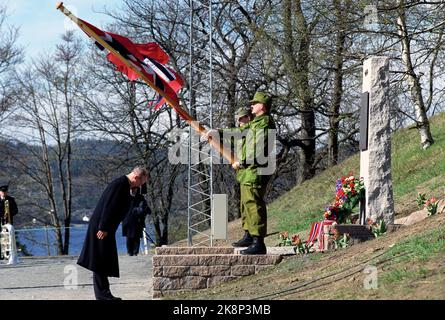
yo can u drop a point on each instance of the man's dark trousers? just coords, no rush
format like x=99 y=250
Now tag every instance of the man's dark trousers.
x=101 y=286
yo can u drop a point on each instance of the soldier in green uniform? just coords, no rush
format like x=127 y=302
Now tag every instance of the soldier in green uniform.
x=253 y=155
x=243 y=116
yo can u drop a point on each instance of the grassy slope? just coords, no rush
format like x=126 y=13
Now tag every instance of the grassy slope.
x=409 y=265
x=413 y=170
x=409 y=261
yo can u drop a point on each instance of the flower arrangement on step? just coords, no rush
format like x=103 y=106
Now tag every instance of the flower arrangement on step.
x=349 y=191
x=430 y=205
x=340 y=240
x=284 y=239
x=300 y=247
x=295 y=241
x=377 y=228
x=421 y=199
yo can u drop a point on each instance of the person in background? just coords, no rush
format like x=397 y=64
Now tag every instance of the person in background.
x=243 y=116
x=99 y=252
x=8 y=206
x=134 y=222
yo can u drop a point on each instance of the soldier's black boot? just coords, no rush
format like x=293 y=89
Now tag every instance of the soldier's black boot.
x=257 y=247
x=245 y=241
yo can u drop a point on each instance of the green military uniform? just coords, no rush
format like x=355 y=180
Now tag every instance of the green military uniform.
x=252 y=184
x=253 y=173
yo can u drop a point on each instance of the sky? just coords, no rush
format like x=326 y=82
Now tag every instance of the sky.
x=41 y=25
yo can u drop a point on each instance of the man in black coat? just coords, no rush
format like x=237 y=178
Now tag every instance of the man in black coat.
x=134 y=222
x=6 y=201
x=99 y=252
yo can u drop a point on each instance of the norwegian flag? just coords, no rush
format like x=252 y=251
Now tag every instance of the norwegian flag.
x=147 y=58
x=317 y=233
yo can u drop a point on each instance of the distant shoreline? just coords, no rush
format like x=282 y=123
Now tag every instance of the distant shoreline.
x=38 y=241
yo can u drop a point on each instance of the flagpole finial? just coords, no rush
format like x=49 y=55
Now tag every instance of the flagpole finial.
x=59 y=4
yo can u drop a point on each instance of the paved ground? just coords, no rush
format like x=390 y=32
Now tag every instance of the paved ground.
x=52 y=278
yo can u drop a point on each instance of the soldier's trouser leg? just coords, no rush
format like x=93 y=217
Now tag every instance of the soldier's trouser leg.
x=256 y=212
x=247 y=239
x=243 y=211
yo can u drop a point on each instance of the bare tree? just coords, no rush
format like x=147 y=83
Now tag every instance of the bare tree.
x=10 y=55
x=412 y=78
x=45 y=112
x=410 y=32
x=340 y=41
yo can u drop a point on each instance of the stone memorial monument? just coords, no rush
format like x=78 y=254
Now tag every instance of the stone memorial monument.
x=375 y=142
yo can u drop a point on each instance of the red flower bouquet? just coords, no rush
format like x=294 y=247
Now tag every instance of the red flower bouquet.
x=349 y=191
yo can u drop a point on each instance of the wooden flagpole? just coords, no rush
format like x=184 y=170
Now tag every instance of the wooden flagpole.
x=184 y=114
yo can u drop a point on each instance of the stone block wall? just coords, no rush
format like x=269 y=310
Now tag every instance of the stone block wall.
x=180 y=269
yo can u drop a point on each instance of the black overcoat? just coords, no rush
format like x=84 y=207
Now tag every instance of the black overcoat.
x=12 y=209
x=134 y=222
x=101 y=256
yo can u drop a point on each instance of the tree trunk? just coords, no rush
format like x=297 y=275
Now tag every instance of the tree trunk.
x=161 y=229
x=334 y=114
x=67 y=222
x=67 y=187
x=231 y=96
x=301 y=82
x=49 y=185
x=157 y=227
x=164 y=230
x=298 y=72
x=422 y=122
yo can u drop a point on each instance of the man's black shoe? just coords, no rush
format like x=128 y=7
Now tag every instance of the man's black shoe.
x=257 y=247
x=245 y=241
x=110 y=297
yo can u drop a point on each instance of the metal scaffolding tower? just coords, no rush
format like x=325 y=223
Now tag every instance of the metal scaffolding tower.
x=200 y=171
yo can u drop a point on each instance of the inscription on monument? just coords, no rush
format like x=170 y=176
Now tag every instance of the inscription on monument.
x=364 y=121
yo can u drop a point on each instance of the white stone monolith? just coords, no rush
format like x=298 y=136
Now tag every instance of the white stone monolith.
x=375 y=158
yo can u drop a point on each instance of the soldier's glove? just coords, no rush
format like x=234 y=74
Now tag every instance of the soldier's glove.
x=236 y=165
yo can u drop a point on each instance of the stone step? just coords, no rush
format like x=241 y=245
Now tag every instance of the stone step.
x=178 y=269
x=164 y=250
x=355 y=231
x=214 y=259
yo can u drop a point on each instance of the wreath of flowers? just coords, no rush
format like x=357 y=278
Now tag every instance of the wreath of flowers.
x=349 y=191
